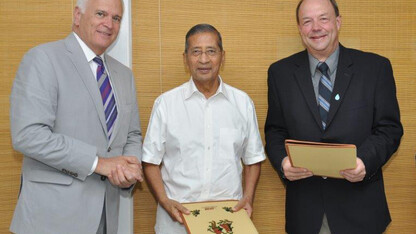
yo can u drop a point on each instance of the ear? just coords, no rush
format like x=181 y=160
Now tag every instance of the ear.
x=223 y=60
x=299 y=29
x=339 y=22
x=185 y=62
x=77 y=15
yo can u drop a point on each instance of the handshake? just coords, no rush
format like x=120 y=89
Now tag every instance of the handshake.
x=121 y=171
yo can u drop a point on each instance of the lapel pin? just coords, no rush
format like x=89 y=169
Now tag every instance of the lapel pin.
x=337 y=97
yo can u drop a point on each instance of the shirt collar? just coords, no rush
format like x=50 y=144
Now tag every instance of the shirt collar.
x=89 y=54
x=191 y=89
x=331 y=61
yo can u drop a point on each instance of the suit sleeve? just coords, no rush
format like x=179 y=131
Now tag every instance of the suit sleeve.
x=133 y=146
x=387 y=129
x=275 y=128
x=33 y=104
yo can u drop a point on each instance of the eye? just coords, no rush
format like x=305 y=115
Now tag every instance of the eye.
x=211 y=52
x=196 y=52
x=117 y=19
x=100 y=14
x=306 y=22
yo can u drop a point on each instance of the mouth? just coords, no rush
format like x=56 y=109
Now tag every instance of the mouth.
x=317 y=37
x=204 y=70
x=104 y=33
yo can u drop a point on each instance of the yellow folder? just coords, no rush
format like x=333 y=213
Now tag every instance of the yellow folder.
x=217 y=217
x=323 y=159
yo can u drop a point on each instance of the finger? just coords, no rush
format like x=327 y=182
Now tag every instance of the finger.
x=122 y=177
x=238 y=206
x=132 y=159
x=352 y=177
x=298 y=174
x=134 y=172
x=113 y=178
x=141 y=175
x=249 y=211
x=129 y=176
x=177 y=216
x=181 y=208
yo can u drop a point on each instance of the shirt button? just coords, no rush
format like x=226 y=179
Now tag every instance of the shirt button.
x=103 y=178
x=109 y=149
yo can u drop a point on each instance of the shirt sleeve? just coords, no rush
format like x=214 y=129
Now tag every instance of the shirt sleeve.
x=254 y=151
x=155 y=140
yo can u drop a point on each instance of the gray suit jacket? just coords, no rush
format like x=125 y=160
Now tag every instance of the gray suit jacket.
x=57 y=122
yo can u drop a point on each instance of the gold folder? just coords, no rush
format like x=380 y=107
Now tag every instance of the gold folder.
x=217 y=217
x=323 y=159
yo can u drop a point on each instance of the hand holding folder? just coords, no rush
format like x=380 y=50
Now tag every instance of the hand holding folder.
x=323 y=159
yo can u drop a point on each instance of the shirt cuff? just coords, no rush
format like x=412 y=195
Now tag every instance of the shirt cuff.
x=94 y=166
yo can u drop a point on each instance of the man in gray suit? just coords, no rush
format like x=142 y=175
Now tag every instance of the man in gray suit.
x=74 y=116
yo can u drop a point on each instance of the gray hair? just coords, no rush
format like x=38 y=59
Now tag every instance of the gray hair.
x=82 y=4
x=202 y=28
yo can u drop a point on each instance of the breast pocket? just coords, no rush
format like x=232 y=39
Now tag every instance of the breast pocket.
x=231 y=141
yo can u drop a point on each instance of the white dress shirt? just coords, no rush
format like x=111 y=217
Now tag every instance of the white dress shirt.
x=201 y=142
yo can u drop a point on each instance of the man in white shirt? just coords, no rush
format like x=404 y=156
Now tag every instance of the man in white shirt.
x=74 y=116
x=199 y=132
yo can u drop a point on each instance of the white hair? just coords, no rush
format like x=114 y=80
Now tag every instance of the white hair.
x=82 y=4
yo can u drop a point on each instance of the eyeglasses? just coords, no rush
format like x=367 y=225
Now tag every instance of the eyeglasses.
x=209 y=52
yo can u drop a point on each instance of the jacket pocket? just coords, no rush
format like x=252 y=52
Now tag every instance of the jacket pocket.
x=48 y=176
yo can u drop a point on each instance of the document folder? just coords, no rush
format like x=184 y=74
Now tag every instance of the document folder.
x=323 y=159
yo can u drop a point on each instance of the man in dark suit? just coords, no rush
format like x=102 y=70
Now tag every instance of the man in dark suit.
x=329 y=93
x=74 y=116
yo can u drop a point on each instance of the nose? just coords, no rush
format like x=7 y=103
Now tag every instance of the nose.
x=316 y=26
x=108 y=22
x=204 y=58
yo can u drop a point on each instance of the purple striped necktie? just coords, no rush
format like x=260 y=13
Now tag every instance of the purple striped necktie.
x=325 y=91
x=109 y=101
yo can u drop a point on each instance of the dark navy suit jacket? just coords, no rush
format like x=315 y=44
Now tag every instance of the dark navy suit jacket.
x=366 y=114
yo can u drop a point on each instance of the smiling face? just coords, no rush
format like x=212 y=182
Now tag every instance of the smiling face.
x=319 y=27
x=204 y=57
x=99 y=24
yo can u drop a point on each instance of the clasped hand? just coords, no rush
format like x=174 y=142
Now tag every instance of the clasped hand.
x=296 y=173
x=121 y=171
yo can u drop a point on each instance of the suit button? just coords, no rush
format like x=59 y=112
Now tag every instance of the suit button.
x=109 y=149
x=103 y=178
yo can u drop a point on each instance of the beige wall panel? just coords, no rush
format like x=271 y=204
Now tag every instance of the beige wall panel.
x=255 y=34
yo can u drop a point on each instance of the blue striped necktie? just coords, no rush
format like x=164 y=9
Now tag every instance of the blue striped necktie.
x=325 y=91
x=109 y=101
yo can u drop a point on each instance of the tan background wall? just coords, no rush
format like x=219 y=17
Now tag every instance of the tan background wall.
x=255 y=34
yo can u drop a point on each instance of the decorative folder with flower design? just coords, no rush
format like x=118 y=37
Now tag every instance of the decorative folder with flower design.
x=217 y=217
x=323 y=159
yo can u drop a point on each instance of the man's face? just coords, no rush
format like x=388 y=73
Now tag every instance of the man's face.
x=99 y=25
x=319 y=27
x=203 y=57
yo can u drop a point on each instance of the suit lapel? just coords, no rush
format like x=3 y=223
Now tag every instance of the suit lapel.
x=304 y=79
x=84 y=72
x=342 y=81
